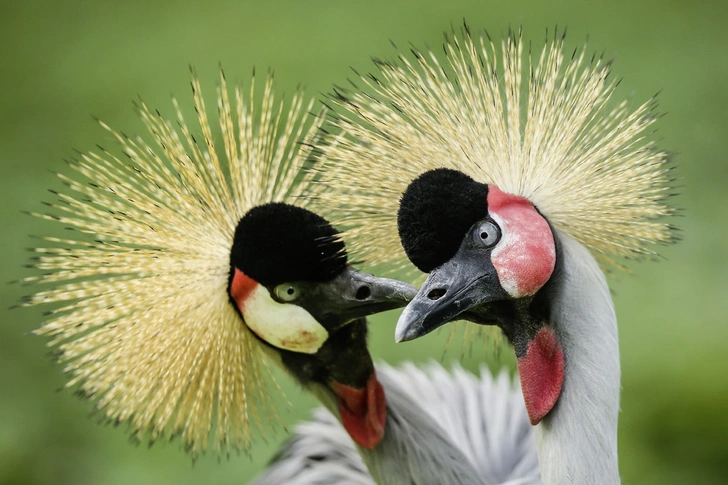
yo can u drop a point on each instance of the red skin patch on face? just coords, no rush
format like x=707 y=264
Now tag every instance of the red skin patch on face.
x=542 y=374
x=525 y=257
x=241 y=287
x=363 y=411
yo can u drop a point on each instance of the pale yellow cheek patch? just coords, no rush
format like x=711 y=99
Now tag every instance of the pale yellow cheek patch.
x=282 y=325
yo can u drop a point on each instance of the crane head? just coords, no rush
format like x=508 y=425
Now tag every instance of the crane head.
x=291 y=284
x=179 y=278
x=485 y=251
x=550 y=149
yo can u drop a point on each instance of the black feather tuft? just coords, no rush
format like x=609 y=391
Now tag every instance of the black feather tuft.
x=277 y=243
x=435 y=213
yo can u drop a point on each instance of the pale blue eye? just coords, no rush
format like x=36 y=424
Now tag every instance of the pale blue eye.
x=486 y=234
x=287 y=292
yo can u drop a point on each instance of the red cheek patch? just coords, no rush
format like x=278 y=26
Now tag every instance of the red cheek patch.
x=525 y=257
x=241 y=287
x=541 y=372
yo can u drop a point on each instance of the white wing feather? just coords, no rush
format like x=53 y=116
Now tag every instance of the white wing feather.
x=482 y=416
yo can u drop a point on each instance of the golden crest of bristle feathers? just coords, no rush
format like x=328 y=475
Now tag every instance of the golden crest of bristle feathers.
x=543 y=126
x=141 y=316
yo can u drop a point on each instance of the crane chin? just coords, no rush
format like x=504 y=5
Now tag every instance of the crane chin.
x=363 y=411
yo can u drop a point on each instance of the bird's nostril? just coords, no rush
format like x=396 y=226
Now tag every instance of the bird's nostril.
x=436 y=294
x=363 y=293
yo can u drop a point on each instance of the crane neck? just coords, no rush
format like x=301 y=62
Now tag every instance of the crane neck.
x=415 y=449
x=577 y=440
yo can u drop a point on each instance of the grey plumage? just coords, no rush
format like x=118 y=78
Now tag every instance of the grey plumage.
x=443 y=427
x=320 y=453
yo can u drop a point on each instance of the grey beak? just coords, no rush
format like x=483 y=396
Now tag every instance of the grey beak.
x=353 y=294
x=458 y=285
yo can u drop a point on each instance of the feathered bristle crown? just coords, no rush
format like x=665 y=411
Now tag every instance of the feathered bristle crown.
x=541 y=126
x=142 y=318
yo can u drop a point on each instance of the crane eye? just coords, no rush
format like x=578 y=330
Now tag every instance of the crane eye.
x=287 y=292
x=487 y=234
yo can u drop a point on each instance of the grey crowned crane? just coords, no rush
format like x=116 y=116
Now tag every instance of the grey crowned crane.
x=509 y=178
x=186 y=268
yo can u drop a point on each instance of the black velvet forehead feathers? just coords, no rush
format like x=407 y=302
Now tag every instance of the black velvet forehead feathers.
x=435 y=213
x=278 y=243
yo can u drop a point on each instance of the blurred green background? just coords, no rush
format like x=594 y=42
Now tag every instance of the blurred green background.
x=63 y=62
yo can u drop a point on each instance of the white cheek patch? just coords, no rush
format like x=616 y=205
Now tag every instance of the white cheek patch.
x=282 y=325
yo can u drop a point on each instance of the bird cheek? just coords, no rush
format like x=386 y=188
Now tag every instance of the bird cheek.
x=525 y=257
x=285 y=326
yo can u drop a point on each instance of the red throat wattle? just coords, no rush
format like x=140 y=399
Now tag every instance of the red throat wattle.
x=363 y=411
x=541 y=372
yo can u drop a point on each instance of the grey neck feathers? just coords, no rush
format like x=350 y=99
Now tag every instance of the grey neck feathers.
x=415 y=450
x=577 y=441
